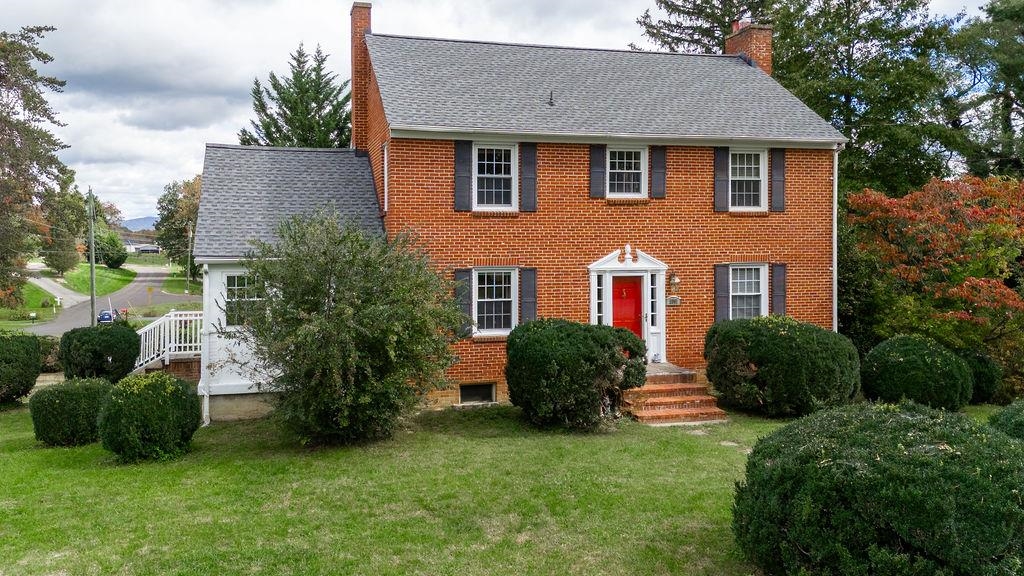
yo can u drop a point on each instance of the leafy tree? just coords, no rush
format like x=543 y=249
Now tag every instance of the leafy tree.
x=65 y=215
x=308 y=109
x=698 y=26
x=28 y=150
x=347 y=328
x=110 y=249
x=178 y=209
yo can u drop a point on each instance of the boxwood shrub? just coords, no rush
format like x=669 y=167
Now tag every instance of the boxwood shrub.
x=570 y=374
x=49 y=352
x=883 y=489
x=149 y=417
x=986 y=376
x=777 y=366
x=916 y=368
x=19 y=365
x=66 y=414
x=1010 y=420
x=105 y=351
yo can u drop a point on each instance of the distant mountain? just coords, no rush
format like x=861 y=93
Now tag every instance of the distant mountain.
x=136 y=224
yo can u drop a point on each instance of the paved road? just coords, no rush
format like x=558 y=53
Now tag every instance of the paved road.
x=134 y=294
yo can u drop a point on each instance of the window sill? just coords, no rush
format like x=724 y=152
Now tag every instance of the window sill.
x=749 y=213
x=484 y=338
x=626 y=201
x=495 y=214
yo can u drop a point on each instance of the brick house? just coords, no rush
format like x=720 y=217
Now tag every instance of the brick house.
x=659 y=192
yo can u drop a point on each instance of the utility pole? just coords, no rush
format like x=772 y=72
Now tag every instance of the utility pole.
x=92 y=255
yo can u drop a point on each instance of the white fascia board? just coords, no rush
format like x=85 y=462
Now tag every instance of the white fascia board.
x=217 y=260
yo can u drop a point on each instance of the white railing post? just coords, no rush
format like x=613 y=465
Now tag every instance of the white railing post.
x=175 y=334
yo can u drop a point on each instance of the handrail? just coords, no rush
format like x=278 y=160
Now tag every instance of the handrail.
x=177 y=333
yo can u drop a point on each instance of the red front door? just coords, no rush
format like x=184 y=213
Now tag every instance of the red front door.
x=627 y=303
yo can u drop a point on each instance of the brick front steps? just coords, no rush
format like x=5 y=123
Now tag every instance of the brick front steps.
x=671 y=396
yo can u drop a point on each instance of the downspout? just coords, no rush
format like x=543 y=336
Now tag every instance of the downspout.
x=835 y=237
x=204 y=352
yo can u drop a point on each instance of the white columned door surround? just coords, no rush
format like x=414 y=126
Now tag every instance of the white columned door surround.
x=630 y=262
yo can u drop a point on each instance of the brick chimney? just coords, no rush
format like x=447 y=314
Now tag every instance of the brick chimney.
x=360 y=72
x=754 y=40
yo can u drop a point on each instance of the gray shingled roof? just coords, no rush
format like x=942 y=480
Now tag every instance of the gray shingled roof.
x=247 y=190
x=452 y=85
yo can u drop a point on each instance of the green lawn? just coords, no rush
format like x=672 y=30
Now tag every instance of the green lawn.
x=13 y=319
x=140 y=316
x=175 y=284
x=108 y=280
x=147 y=259
x=456 y=492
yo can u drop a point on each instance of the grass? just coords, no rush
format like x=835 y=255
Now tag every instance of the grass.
x=468 y=492
x=14 y=319
x=140 y=316
x=147 y=259
x=108 y=280
x=175 y=284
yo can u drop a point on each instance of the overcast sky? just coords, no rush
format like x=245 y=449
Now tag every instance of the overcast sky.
x=149 y=82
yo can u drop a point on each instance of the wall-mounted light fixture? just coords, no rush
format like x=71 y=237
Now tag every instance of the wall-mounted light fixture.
x=674 y=282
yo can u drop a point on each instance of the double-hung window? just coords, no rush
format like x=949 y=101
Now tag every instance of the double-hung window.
x=748 y=180
x=748 y=290
x=495 y=295
x=240 y=291
x=495 y=177
x=627 y=172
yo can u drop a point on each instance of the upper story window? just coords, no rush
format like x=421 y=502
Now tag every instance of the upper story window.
x=627 y=172
x=495 y=177
x=240 y=291
x=494 y=302
x=748 y=180
x=748 y=293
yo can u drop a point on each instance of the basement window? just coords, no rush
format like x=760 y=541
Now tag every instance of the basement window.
x=476 y=393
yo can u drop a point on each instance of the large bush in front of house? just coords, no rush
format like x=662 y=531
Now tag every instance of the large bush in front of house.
x=19 y=365
x=569 y=374
x=916 y=368
x=776 y=366
x=149 y=417
x=66 y=414
x=1010 y=420
x=349 y=330
x=106 y=351
x=883 y=489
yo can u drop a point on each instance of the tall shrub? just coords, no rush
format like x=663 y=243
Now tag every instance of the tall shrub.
x=1009 y=420
x=916 y=368
x=149 y=417
x=105 y=351
x=777 y=366
x=66 y=414
x=19 y=365
x=570 y=374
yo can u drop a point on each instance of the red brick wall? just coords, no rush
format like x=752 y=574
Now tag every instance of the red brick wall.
x=360 y=20
x=570 y=231
x=755 y=41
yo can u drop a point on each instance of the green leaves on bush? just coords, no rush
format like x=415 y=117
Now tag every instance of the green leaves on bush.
x=105 y=351
x=881 y=489
x=149 y=417
x=986 y=376
x=66 y=414
x=777 y=366
x=1010 y=420
x=566 y=373
x=19 y=365
x=49 y=350
x=919 y=369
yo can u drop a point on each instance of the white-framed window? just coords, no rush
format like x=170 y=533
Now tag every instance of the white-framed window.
x=627 y=172
x=748 y=180
x=495 y=300
x=240 y=291
x=748 y=290
x=495 y=176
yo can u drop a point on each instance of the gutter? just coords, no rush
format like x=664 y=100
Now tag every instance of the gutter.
x=835 y=237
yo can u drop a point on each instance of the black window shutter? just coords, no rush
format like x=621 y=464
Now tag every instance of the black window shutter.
x=463 y=175
x=528 y=177
x=778 y=289
x=721 y=292
x=721 y=179
x=657 y=171
x=464 y=297
x=778 y=179
x=597 y=175
x=527 y=294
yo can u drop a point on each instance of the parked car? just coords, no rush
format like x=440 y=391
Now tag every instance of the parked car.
x=106 y=317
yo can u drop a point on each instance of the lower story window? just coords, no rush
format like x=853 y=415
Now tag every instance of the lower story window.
x=240 y=291
x=476 y=393
x=494 y=308
x=747 y=291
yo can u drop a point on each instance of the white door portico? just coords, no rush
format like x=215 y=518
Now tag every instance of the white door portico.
x=628 y=262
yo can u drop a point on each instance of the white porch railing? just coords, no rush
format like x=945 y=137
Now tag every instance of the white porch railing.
x=174 y=335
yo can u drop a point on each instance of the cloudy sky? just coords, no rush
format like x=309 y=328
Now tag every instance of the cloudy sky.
x=149 y=82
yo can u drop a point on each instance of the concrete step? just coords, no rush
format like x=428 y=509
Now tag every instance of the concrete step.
x=681 y=377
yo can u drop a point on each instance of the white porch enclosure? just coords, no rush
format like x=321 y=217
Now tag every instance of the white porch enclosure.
x=175 y=335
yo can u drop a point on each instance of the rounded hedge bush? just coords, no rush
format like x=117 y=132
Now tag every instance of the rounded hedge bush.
x=916 y=368
x=986 y=376
x=19 y=365
x=570 y=374
x=1010 y=420
x=49 y=352
x=777 y=366
x=883 y=489
x=149 y=417
x=106 y=351
x=66 y=414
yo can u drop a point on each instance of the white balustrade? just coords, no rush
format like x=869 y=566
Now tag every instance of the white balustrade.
x=175 y=335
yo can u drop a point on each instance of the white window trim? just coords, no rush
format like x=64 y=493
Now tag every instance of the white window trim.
x=515 y=177
x=515 y=299
x=227 y=300
x=608 y=171
x=763 y=268
x=763 y=152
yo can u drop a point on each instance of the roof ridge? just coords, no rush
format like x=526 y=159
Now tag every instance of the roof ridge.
x=551 y=46
x=277 y=148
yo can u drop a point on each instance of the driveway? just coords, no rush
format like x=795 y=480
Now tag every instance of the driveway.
x=136 y=293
